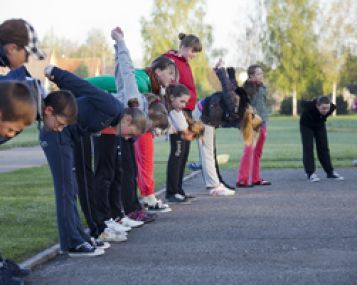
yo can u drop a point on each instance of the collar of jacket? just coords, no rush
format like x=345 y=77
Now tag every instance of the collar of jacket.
x=176 y=54
x=155 y=84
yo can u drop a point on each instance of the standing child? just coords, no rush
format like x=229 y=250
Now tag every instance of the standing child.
x=249 y=166
x=313 y=127
x=182 y=129
x=190 y=46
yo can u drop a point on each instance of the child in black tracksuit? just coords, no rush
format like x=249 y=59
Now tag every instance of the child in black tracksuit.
x=312 y=126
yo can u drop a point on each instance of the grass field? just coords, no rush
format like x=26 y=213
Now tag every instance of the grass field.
x=27 y=215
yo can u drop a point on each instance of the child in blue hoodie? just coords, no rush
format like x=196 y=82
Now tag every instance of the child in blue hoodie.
x=96 y=110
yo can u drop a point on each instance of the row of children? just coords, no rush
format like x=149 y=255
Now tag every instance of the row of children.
x=98 y=135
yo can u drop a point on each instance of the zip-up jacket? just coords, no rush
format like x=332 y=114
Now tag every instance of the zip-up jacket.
x=186 y=77
x=311 y=117
x=96 y=109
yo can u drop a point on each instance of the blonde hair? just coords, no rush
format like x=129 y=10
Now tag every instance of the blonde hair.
x=250 y=126
x=195 y=127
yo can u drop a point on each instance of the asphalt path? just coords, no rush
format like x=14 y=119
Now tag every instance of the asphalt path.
x=293 y=232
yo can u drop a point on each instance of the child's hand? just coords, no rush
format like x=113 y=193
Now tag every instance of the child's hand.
x=48 y=71
x=117 y=34
x=219 y=64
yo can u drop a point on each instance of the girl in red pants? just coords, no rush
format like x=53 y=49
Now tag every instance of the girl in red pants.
x=249 y=166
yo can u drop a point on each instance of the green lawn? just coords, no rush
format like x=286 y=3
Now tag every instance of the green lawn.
x=27 y=215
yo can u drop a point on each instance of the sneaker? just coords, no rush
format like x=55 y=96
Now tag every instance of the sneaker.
x=194 y=166
x=262 y=183
x=117 y=227
x=314 y=178
x=127 y=222
x=142 y=215
x=190 y=196
x=178 y=199
x=99 y=243
x=84 y=250
x=112 y=236
x=158 y=206
x=221 y=191
x=15 y=269
x=242 y=184
x=334 y=175
x=6 y=278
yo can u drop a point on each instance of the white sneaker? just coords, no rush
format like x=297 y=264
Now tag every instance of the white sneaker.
x=157 y=206
x=334 y=175
x=221 y=190
x=314 y=178
x=117 y=227
x=112 y=236
x=127 y=222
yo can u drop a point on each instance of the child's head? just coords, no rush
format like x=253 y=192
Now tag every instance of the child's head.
x=17 y=108
x=18 y=40
x=190 y=45
x=165 y=69
x=323 y=104
x=177 y=96
x=60 y=110
x=255 y=73
x=157 y=112
x=133 y=123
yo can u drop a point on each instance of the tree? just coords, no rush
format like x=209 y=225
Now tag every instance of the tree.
x=291 y=48
x=335 y=30
x=348 y=76
x=62 y=46
x=160 y=33
x=82 y=70
x=96 y=45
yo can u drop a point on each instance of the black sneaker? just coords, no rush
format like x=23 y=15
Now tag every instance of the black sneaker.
x=178 y=199
x=6 y=278
x=334 y=175
x=99 y=243
x=15 y=269
x=85 y=249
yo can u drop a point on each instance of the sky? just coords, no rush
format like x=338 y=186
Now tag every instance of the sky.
x=74 y=18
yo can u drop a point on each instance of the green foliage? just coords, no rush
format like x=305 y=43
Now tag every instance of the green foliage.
x=335 y=29
x=82 y=70
x=291 y=46
x=349 y=71
x=286 y=106
x=160 y=34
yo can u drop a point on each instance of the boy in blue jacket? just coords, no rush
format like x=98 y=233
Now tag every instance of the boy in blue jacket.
x=96 y=110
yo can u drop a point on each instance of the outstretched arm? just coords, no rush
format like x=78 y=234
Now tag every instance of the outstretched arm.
x=229 y=97
x=127 y=88
x=100 y=99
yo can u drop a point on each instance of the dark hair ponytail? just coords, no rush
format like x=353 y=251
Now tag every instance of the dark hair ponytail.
x=191 y=41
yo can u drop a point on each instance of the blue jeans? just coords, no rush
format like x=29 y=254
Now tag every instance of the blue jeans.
x=58 y=148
